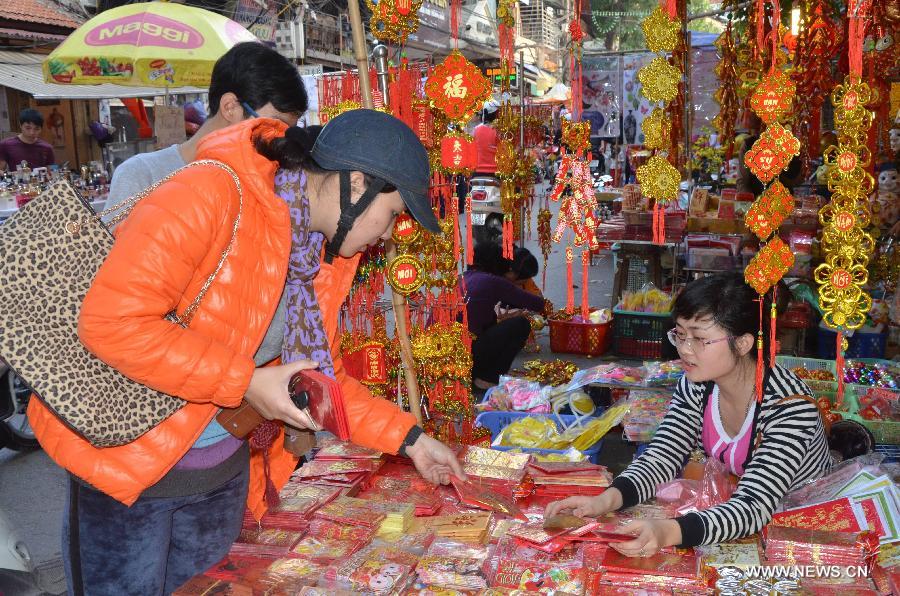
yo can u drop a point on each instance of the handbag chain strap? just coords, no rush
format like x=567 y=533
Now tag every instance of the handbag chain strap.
x=124 y=208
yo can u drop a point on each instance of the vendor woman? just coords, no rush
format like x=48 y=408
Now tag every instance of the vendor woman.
x=773 y=447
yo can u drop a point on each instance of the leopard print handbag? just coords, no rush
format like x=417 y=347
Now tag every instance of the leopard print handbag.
x=50 y=251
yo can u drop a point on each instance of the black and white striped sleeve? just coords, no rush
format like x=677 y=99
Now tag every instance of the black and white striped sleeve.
x=675 y=438
x=788 y=450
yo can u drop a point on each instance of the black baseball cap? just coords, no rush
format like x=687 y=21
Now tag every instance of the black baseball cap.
x=380 y=145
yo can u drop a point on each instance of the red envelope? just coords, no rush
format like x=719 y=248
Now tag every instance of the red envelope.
x=323 y=397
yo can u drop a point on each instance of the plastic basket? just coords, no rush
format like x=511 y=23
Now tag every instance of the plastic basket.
x=642 y=335
x=859 y=345
x=573 y=337
x=891 y=453
x=497 y=421
x=884 y=431
x=818 y=387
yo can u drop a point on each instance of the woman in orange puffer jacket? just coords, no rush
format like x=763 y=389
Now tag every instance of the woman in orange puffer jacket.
x=146 y=516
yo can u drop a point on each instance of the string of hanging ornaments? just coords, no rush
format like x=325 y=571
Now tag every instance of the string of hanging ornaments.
x=846 y=244
x=660 y=81
x=772 y=101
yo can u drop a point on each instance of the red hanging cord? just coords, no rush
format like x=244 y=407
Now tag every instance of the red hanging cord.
x=585 y=307
x=839 y=365
x=775 y=33
x=856 y=13
x=469 y=255
x=570 y=289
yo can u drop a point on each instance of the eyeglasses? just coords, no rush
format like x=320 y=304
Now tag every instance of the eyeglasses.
x=692 y=343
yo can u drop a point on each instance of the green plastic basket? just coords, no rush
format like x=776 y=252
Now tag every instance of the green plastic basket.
x=818 y=387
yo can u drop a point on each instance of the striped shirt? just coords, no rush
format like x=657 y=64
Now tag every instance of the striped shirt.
x=792 y=450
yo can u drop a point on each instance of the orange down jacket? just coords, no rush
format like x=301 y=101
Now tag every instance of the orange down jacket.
x=163 y=253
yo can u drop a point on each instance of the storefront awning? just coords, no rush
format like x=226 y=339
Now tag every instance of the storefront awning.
x=22 y=71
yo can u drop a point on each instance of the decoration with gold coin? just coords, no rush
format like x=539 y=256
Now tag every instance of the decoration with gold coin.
x=660 y=82
x=393 y=20
x=846 y=244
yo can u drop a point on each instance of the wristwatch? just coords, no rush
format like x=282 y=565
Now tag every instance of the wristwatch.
x=411 y=437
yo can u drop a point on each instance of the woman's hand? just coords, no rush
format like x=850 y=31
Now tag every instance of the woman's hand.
x=434 y=460
x=610 y=500
x=651 y=536
x=268 y=394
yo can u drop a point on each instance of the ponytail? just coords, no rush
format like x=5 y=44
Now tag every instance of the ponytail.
x=293 y=151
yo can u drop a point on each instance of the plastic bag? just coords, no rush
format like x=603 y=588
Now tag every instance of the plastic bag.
x=826 y=487
x=682 y=495
x=648 y=299
x=663 y=374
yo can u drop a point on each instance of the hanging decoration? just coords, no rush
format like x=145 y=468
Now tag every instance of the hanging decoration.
x=727 y=93
x=574 y=183
x=575 y=187
x=772 y=101
x=506 y=34
x=660 y=81
x=457 y=88
x=817 y=43
x=846 y=245
x=393 y=20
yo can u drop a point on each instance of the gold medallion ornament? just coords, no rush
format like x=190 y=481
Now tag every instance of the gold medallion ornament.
x=406 y=230
x=405 y=274
x=657 y=128
x=661 y=32
x=659 y=80
x=659 y=179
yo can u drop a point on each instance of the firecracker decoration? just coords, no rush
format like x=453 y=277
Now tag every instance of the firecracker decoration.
x=817 y=43
x=506 y=36
x=727 y=93
x=661 y=82
x=393 y=20
x=846 y=245
x=544 y=216
x=457 y=88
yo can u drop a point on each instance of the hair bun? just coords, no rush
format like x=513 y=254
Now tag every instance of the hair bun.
x=302 y=137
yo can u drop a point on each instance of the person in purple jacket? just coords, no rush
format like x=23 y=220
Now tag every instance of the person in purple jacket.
x=498 y=339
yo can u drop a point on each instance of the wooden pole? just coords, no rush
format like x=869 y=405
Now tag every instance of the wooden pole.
x=398 y=301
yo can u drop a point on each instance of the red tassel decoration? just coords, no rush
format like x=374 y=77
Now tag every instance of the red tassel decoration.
x=773 y=316
x=839 y=365
x=469 y=255
x=585 y=307
x=570 y=290
x=659 y=224
x=261 y=439
x=456 y=245
x=760 y=365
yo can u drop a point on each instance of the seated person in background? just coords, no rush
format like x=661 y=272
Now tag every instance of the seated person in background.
x=522 y=272
x=497 y=342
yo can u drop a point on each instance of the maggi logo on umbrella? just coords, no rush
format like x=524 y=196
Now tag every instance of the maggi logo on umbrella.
x=146 y=30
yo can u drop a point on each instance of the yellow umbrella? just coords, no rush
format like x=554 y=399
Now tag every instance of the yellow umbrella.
x=151 y=44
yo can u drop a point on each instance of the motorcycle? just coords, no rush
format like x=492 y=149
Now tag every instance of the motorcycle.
x=17 y=570
x=15 y=431
x=487 y=216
